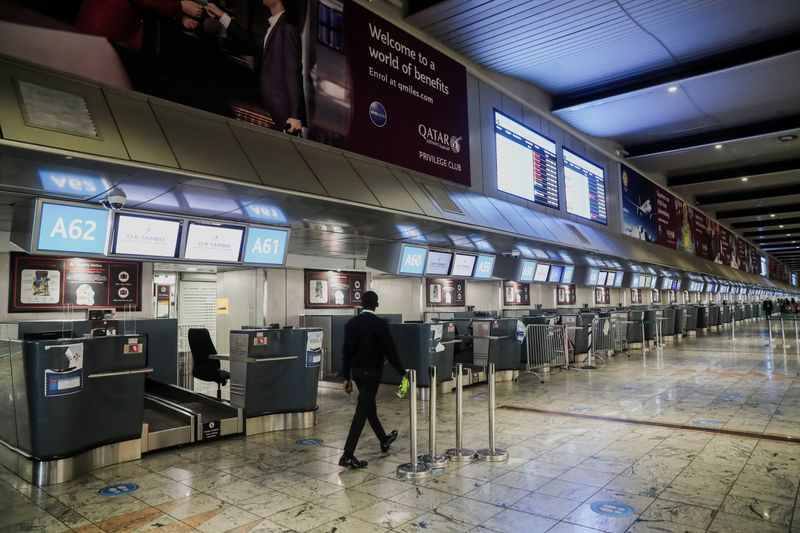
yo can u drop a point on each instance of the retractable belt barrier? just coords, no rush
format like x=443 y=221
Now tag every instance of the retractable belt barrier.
x=413 y=469
x=459 y=453
x=492 y=453
x=431 y=458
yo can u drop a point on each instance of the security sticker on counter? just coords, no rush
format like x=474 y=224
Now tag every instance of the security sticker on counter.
x=520 y=337
x=437 y=331
x=133 y=347
x=69 y=378
x=260 y=339
x=314 y=348
x=451 y=327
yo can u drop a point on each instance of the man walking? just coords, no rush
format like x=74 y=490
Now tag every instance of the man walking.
x=366 y=342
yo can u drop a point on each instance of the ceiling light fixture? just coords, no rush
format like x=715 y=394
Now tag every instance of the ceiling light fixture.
x=744 y=179
x=772 y=215
x=718 y=146
x=672 y=89
x=781 y=226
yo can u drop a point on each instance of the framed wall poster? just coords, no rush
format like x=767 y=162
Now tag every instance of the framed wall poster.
x=327 y=289
x=636 y=296
x=516 y=294
x=656 y=296
x=445 y=292
x=565 y=295
x=39 y=283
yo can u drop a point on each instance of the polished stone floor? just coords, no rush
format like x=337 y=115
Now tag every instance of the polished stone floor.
x=636 y=445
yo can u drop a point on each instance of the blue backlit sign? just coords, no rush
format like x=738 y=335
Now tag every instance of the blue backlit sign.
x=412 y=260
x=73 y=229
x=567 y=276
x=266 y=213
x=527 y=270
x=266 y=246
x=484 y=267
x=71 y=183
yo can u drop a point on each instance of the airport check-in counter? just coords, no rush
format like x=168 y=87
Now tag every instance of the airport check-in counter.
x=713 y=315
x=274 y=377
x=690 y=314
x=702 y=318
x=668 y=323
x=650 y=320
x=420 y=346
x=494 y=341
x=680 y=321
x=726 y=314
x=71 y=405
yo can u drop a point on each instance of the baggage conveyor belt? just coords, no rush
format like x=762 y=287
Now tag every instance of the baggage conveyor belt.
x=174 y=416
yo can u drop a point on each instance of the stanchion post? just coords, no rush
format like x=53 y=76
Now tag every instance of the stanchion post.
x=783 y=335
x=733 y=330
x=431 y=458
x=769 y=329
x=413 y=469
x=459 y=453
x=492 y=453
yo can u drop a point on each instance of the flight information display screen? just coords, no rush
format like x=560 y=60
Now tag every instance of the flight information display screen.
x=527 y=162
x=585 y=188
x=542 y=271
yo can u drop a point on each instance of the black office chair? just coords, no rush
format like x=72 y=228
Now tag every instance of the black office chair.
x=205 y=368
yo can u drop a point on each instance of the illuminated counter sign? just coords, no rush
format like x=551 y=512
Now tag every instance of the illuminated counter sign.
x=73 y=229
x=527 y=270
x=266 y=246
x=484 y=267
x=85 y=185
x=585 y=188
x=412 y=260
x=213 y=243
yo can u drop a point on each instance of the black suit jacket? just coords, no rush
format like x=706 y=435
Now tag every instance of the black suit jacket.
x=367 y=341
x=279 y=69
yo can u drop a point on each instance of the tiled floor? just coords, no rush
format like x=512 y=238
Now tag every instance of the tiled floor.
x=565 y=474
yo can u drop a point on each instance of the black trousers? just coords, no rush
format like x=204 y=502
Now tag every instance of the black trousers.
x=367 y=381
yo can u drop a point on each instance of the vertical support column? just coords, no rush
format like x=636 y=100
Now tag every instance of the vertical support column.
x=413 y=469
x=492 y=453
x=459 y=453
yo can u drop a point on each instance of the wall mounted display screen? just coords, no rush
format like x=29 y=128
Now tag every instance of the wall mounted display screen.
x=653 y=282
x=463 y=265
x=412 y=260
x=611 y=279
x=72 y=229
x=593 y=275
x=266 y=246
x=527 y=164
x=526 y=270
x=675 y=284
x=585 y=188
x=213 y=243
x=41 y=283
x=484 y=267
x=541 y=273
x=635 y=281
x=556 y=271
x=601 y=278
x=438 y=263
x=666 y=283
x=566 y=277
x=618 y=281
x=146 y=236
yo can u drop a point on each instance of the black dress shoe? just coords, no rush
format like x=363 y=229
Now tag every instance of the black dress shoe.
x=351 y=462
x=387 y=442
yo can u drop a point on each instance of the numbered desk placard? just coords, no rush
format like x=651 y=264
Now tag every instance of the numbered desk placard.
x=412 y=260
x=72 y=229
x=266 y=246
x=484 y=267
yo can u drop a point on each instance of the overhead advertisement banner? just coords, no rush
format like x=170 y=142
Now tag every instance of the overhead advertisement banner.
x=328 y=70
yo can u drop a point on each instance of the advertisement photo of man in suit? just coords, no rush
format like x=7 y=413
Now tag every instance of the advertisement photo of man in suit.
x=367 y=342
x=278 y=64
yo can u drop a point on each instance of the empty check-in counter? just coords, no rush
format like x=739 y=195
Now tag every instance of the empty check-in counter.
x=421 y=346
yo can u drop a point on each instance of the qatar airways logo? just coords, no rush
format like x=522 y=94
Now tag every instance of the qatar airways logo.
x=449 y=143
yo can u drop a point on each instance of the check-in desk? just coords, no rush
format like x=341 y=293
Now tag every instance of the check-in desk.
x=274 y=377
x=680 y=322
x=713 y=316
x=651 y=325
x=691 y=320
x=667 y=324
x=69 y=406
x=702 y=318
x=420 y=346
x=725 y=314
x=494 y=341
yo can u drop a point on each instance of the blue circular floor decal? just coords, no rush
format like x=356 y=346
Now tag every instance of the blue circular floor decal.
x=612 y=508
x=118 y=489
x=309 y=442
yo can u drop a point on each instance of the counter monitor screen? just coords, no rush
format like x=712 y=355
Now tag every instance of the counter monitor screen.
x=644 y=282
x=566 y=277
x=666 y=283
x=146 y=236
x=527 y=270
x=526 y=162
x=438 y=263
x=412 y=260
x=653 y=282
x=593 y=274
x=675 y=284
x=463 y=265
x=585 y=188
x=635 y=281
x=213 y=243
x=601 y=278
x=542 y=271
x=618 y=281
x=556 y=271
x=611 y=279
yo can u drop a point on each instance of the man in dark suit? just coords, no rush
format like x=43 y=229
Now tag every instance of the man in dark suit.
x=367 y=341
x=279 y=64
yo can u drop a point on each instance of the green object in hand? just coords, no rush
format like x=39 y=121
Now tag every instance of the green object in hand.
x=402 y=389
